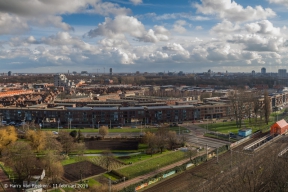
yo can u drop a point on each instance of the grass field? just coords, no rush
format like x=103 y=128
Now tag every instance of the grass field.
x=151 y=164
x=73 y=159
x=138 y=158
x=111 y=176
x=230 y=126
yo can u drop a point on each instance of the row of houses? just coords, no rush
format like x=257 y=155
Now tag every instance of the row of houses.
x=115 y=115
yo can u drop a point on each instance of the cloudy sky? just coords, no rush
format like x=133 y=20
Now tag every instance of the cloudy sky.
x=143 y=35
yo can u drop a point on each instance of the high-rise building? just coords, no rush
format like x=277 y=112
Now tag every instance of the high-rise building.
x=253 y=73
x=263 y=70
x=282 y=73
x=9 y=73
x=111 y=73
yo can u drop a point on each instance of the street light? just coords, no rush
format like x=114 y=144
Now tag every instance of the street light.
x=98 y=126
x=58 y=125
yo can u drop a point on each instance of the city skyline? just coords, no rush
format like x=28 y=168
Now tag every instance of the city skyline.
x=143 y=35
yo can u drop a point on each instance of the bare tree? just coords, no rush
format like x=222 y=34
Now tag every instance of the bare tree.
x=66 y=141
x=151 y=140
x=161 y=137
x=20 y=157
x=107 y=159
x=103 y=131
x=172 y=139
x=267 y=107
x=257 y=104
x=237 y=100
x=52 y=165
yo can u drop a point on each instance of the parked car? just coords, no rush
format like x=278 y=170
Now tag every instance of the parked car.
x=133 y=126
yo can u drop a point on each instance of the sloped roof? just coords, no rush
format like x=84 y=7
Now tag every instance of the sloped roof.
x=282 y=123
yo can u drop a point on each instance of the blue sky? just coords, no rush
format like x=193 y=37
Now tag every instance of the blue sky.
x=143 y=35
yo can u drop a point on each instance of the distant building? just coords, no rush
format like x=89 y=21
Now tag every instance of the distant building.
x=108 y=81
x=181 y=73
x=110 y=70
x=253 y=73
x=263 y=70
x=60 y=80
x=74 y=72
x=282 y=73
x=9 y=73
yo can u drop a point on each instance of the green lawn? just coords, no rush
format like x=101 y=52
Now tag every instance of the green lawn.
x=68 y=161
x=137 y=158
x=73 y=159
x=152 y=164
x=230 y=126
x=111 y=176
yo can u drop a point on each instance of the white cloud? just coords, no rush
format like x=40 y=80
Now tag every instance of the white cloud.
x=230 y=10
x=114 y=43
x=225 y=27
x=47 y=13
x=281 y=2
x=136 y=2
x=199 y=28
x=263 y=27
x=129 y=25
x=38 y=8
x=178 y=26
x=169 y=16
x=123 y=57
x=11 y=24
x=258 y=43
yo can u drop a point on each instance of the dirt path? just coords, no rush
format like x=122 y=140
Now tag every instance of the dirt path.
x=6 y=185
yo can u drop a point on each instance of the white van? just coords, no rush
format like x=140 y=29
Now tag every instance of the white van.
x=4 y=122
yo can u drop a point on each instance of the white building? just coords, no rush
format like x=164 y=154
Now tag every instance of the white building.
x=60 y=80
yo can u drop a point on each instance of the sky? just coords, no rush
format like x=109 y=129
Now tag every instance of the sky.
x=52 y=36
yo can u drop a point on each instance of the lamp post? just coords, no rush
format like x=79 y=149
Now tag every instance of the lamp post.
x=110 y=123
x=58 y=125
x=98 y=126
